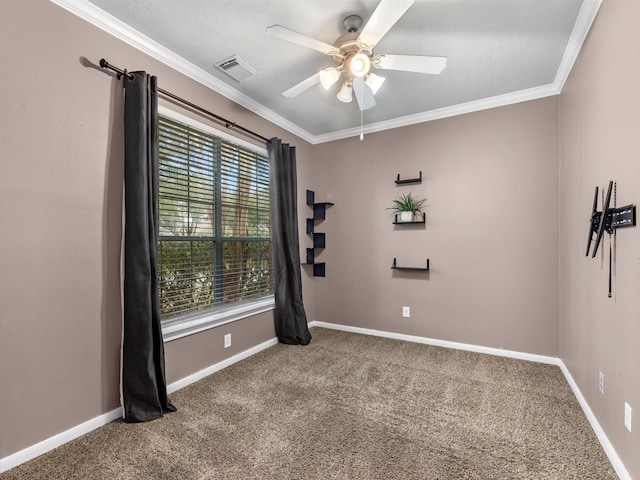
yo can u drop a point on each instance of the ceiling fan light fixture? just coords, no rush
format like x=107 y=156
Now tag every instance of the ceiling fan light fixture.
x=346 y=93
x=374 y=82
x=360 y=65
x=328 y=77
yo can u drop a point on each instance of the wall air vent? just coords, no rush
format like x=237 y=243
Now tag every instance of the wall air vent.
x=236 y=68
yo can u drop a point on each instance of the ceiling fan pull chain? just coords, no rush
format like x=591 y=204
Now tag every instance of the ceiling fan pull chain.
x=361 y=114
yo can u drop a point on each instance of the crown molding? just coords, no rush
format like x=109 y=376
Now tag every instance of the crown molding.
x=101 y=19
x=460 y=109
x=586 y=17
x=122 y=31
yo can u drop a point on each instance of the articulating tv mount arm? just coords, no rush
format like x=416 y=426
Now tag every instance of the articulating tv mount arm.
x=609 y=219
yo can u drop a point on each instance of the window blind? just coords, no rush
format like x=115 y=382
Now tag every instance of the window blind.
x=214 y=245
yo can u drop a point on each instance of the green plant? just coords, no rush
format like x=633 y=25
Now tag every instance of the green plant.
x=407 y=203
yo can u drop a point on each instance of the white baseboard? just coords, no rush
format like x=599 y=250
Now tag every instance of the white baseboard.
x=44 y=446
x=604 y=440
x=441 y=343
x=595 y=425
x=219 y=366
x=50 y=443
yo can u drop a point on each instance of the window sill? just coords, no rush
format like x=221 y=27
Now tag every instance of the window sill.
x=188 y=325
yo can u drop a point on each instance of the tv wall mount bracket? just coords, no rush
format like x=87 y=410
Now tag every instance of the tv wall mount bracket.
x=608 y=220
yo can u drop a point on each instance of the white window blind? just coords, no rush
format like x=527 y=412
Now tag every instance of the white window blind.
x=214 y=248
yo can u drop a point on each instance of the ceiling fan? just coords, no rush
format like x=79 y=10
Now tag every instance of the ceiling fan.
x=354 y=58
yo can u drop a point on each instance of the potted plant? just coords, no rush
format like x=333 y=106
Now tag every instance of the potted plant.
x=407 y=206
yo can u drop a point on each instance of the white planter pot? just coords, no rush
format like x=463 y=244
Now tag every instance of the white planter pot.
x=406 y=216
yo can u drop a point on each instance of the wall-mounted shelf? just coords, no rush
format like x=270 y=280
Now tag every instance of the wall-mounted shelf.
x=318 y=238
x=395 y=266
x=396 y=221
x=318 y=268
x=319 y=208
x=408 y=181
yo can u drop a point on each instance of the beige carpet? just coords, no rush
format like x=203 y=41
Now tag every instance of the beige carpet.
x=350 y=406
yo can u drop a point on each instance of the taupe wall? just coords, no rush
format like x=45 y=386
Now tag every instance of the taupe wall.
x=600 y=125
x=60 y=211
x=491 y=183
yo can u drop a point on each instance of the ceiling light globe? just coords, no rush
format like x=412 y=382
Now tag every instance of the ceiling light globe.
x=374 y=82
x=346 y=93
x=360 y=65
x=328 y=77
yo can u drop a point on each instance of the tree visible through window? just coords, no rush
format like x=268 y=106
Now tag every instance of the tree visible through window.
x=214 y=247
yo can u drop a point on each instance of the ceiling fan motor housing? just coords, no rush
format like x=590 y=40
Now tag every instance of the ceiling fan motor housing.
x=348 y=48
x=345 y=45
x=352 y=23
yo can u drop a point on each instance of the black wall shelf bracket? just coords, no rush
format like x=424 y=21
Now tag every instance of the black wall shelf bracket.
x=408 y=180
x=396 y=221
x=395 y=266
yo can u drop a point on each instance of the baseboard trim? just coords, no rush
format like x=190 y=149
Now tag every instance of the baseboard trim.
x=177 y=385
x=617 y=464
x=50 y=443
x=441 y=343
x=59 y=439
x=55 y=441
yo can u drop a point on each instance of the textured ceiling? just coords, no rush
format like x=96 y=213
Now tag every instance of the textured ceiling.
x=499 y=51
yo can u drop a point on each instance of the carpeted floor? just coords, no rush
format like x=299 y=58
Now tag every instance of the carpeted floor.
x=350 y=406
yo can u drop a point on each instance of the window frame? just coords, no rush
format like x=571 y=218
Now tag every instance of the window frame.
x=191 y=323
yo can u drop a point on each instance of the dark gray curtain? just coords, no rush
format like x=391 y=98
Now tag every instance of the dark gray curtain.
x=144 y=389
x=290 y=317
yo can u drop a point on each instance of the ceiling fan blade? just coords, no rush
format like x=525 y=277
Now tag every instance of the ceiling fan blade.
x=364 y=95
x=386 y=14
x=410 y=63
x=302 y=86
x=297 y=38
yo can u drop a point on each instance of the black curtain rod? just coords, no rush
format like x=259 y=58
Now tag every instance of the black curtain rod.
x=227 y=123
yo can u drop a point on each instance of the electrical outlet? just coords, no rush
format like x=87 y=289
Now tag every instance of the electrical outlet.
x=627 y=416
x=227 y=340
x=406 y=312
x=601 y=383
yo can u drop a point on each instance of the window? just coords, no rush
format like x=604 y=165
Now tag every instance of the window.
x=214 y=247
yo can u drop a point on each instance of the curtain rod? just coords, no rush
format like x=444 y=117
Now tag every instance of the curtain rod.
x=227 y=123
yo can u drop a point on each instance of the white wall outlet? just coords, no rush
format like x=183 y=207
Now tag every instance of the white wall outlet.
x=227 y=340
x=406 y=312
x=627 y=416
x=601 y=383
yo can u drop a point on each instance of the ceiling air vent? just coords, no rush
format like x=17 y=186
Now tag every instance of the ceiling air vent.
x=236 y=68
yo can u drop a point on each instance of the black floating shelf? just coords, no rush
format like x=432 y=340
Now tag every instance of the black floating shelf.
x=396 y=267
x=320 y=210
x=413 y=222
x=319 y=269
x=319 y=238
x=407 y=181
